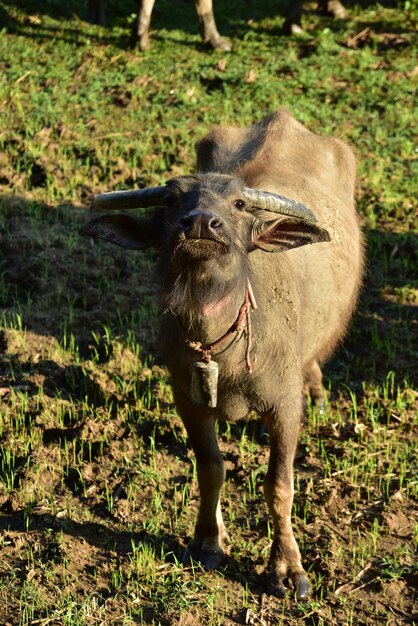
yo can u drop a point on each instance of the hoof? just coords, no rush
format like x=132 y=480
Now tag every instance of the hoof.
x=188 y=557
x=296 y=30
x=319 y=404
x=335 y=9
x=222 y=44
x=276 y=587
x=209 y=559
x=293 y=29
x=144 y=44
x=302 y=586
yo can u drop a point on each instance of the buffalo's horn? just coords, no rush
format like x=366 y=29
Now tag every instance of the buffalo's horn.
x=138 y=198
x=277 y=204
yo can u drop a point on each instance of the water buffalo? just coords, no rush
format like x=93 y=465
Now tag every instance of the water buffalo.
x=208 y=29
x=140 y=31
x=242 y=329
x=293 y=15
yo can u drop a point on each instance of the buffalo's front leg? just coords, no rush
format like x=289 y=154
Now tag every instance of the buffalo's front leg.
x=208 y=29
x=140 y=29
x=208 y=543
x=285 y=562
x=96 y=12
x=334 y=8
x=293 y=17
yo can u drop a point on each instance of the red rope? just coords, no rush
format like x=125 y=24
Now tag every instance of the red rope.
x=244 y=315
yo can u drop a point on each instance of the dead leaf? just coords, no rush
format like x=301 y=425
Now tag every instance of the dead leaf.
x=359 y=427
x=250 y=76
x=31 y=574
x=34 y=19
x=354 y=40
x=142 y=81
x=115 y=58
x=397 y=496
x=23 y=77
x=44 y=133
x=221 y=65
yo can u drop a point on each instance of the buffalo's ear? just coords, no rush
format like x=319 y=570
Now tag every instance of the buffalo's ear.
x=127 y=231
x=286 y=233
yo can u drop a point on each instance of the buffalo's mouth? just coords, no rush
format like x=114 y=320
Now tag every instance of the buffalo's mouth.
x=200 y=246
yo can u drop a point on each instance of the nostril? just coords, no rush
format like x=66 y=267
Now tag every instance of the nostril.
x=185 y=222
x=215 y=222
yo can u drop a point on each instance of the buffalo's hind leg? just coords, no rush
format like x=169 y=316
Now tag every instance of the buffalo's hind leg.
x=208 y=542
x=314 y=386
x=285 y=560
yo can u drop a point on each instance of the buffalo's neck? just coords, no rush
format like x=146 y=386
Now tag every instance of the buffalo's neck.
x=215 y=320
x=206 y=304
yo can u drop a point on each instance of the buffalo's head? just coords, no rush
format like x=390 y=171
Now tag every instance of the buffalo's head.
x=205 y=216
x=204 y=226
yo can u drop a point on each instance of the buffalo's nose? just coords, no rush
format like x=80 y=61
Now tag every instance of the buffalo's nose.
x=200 y=223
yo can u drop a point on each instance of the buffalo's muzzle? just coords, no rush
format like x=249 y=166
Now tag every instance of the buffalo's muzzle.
x=200 y=224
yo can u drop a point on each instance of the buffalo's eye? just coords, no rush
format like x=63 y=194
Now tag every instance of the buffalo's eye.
x=239 y=204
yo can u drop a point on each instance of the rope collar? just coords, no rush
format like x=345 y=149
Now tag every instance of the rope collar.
x=243 y=319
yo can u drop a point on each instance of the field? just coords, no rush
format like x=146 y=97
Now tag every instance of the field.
x=98 y=492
